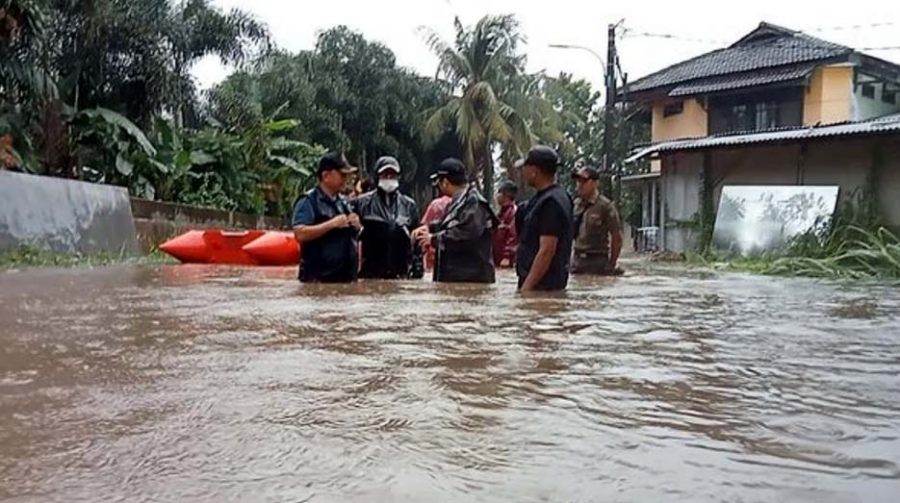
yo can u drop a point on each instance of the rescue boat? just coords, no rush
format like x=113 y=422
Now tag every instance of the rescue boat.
x=252 y=247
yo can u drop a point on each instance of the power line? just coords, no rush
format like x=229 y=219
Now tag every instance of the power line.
x=885 y=48
x=629 y=33
x=849 y=27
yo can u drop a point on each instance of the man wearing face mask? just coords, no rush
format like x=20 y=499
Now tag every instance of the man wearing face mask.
x=463 y=238
x=388 y=218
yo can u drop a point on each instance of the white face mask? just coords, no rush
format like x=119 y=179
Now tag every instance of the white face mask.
x=389 y=185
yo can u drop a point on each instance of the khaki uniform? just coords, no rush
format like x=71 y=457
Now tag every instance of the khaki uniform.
x=595 y=219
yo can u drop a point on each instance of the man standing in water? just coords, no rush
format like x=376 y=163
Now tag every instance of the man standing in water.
x=598 y=232
x=326 y=228
x=545 y=238
x=462 y=239
x=388 y=217
x=505 y=239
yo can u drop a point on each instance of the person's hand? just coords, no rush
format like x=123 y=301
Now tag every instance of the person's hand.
x=424 y=238
x=353 y=219
x=419 y=231
x=505 y=263
x=339 y=222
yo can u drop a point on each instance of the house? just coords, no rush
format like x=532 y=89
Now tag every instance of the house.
x=778 y=107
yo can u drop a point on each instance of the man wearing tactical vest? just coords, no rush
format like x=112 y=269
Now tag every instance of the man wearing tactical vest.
x=326 y=228
x=463 y=238
x=545 y=238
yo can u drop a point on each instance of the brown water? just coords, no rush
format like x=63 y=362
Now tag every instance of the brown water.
x=183 y=383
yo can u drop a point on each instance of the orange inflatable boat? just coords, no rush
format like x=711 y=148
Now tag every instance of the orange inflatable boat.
x=215 y=246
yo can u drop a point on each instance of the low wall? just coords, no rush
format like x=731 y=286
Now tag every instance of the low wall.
x=156 y=221
x=64 y=215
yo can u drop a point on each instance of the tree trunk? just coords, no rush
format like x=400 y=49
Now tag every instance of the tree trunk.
x=486 y=163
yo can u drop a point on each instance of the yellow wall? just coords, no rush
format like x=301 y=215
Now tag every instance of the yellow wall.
x=828 y=98
x=691 y=123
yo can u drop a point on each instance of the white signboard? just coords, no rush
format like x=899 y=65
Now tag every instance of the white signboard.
x=753 y=219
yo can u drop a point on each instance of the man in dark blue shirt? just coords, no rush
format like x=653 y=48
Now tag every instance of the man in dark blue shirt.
x=326 y=228
x=546 y=234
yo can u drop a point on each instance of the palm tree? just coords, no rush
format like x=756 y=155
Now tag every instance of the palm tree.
x=22 y=28
x=194 y=29
x=480 y=65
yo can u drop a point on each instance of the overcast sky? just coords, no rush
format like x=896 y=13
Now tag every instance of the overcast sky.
x=701 y=25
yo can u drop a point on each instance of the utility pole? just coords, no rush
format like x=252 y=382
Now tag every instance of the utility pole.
x=611 y=59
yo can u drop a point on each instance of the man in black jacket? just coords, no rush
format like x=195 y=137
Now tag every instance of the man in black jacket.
x=388 y=218
x=463 y=239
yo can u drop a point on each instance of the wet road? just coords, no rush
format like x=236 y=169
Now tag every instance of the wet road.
x=187 y=383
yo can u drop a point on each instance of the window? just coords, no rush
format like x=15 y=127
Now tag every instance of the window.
x=673 y=109
x=756 y=111
x=888 y=96
x=868 y=91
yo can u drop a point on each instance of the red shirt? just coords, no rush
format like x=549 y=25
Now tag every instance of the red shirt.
x=434 y=213
x=505 y=237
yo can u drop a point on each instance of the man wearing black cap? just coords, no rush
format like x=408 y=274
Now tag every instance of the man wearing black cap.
x=462 y=239
x=545 y=238
x=326 y=228
x=598 y=232
x=388 y=217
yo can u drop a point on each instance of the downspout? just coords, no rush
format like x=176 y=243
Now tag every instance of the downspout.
x=801 y=163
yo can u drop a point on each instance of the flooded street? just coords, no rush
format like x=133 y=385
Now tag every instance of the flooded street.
x=195 y=383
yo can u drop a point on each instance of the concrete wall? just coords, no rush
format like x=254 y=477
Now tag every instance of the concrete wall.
x=844 y=163
x=680 y=200
x=64 y=215
x=867 y=108
x=889 y=184
x=828 y=96
x=691 y=123
x=156 y=221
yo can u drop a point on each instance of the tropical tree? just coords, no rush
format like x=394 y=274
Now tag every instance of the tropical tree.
x=194 y=29
x=478 y=66
x=135 y=56
x=25 y=82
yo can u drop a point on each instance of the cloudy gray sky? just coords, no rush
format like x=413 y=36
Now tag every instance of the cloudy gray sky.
x=701 y=25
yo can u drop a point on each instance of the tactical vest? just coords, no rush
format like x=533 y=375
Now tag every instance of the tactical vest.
x=333 y=258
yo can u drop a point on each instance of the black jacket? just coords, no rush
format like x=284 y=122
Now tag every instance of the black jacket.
x=388 y=251
x=463 y=240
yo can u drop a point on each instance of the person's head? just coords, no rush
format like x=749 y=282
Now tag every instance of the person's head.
x=587 y=181
x=540 y=166
x=334 y=171
x=364 y=185
x=449 y=177
x=506 y=193
x=387 y=170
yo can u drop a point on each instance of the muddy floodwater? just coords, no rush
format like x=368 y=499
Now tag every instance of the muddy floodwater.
x=195 y=383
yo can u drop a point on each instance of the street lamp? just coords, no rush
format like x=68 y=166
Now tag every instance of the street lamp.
x=609 y=79
x=583 y=48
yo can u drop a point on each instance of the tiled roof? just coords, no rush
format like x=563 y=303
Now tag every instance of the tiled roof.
x=768 y=46
x=889 y=124
x=768 y=76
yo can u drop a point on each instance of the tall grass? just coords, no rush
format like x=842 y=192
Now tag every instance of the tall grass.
x=848 y=251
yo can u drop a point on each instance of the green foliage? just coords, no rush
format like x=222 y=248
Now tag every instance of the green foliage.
x=134 y=57
x=32 y=256
x=482 y=66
